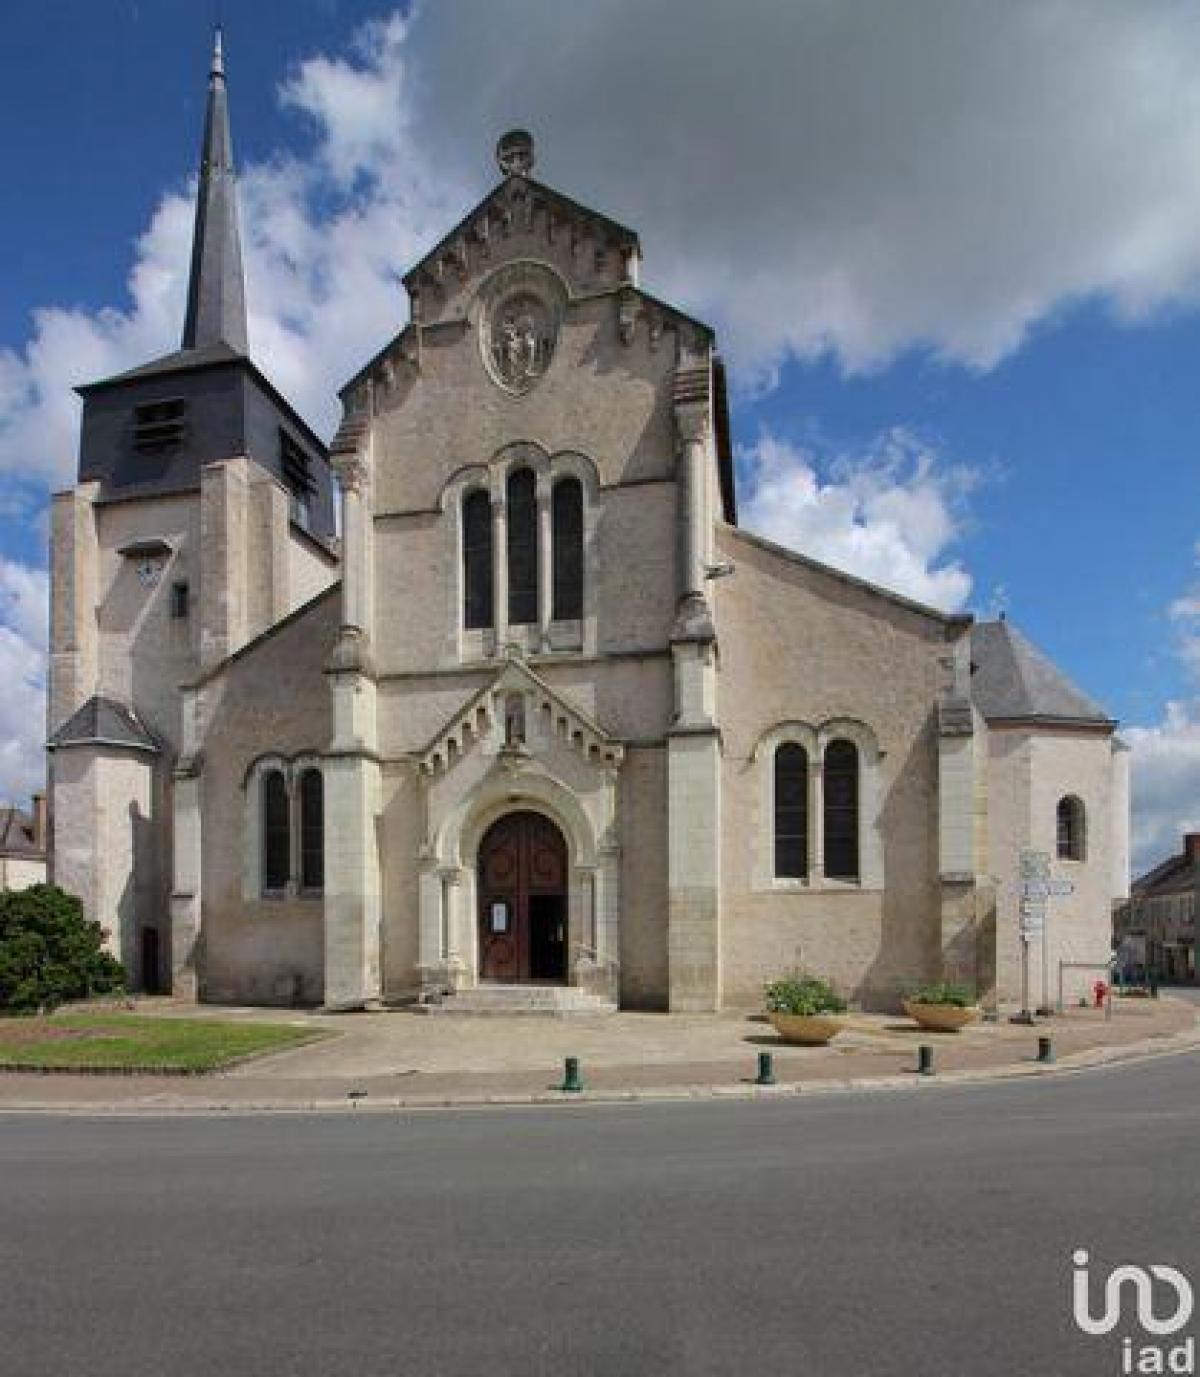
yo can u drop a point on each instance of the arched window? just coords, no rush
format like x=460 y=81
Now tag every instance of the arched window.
x=522 y=549
x=277 y=841
x=840 y=780
x=791 y=812
x=312 y=830
x=477 y=559
x=567 y=512
x=1072 y=829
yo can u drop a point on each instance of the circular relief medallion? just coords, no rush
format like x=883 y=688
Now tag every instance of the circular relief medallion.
x=519 y=323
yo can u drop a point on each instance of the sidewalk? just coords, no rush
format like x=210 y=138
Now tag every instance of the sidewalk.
x=400 y=1060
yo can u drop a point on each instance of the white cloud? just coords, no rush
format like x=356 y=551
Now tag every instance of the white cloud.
x=325 y=235
x=812 y=177
x=853 y=177
x=888 y=515
x=24 y=604
x=1165 y=778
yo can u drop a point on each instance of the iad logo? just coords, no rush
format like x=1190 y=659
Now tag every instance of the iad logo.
x=1175 y=1290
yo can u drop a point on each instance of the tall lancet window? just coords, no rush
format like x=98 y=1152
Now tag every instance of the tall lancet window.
x=277 y=832
x=567 y=513
x=477 y=560
x=312 y=830
x=522 y=549
x=791 y=812
x=840 y=779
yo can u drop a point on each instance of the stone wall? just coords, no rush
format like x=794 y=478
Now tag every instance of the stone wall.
x=800 y=644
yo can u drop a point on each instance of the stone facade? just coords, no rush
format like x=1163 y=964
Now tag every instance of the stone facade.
x=542 y=604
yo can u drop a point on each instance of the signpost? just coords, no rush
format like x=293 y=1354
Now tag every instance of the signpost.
x=1037 y=888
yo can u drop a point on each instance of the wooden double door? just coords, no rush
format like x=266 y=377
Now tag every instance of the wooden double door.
x=522 y=886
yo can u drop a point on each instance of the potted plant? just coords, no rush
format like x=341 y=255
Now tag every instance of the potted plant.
x=943 y=1007
x=805 y=1009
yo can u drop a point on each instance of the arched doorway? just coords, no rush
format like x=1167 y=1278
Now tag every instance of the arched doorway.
x=523 y=901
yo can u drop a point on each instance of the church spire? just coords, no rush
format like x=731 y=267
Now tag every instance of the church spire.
x=216 y=305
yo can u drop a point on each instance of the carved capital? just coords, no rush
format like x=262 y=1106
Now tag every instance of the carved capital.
x=351 y=470
x=692 y=423
x=692 y=409
x=351 y=654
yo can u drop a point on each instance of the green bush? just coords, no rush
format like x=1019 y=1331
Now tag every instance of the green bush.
x=49 y=952
x=958 y=996
x=803 y=994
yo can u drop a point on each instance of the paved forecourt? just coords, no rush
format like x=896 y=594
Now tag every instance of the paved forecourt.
x=397 y=1058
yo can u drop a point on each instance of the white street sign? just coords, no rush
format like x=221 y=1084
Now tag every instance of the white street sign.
x=1035 y=865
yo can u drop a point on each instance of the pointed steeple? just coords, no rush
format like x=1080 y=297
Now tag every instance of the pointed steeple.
x=216 y=306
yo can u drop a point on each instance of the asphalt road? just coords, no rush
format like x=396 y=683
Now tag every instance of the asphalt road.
x=926 y=1232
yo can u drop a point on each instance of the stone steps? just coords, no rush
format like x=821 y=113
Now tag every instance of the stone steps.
x=496 y=1001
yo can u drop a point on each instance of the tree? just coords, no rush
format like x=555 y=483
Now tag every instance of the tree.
x=49 y=952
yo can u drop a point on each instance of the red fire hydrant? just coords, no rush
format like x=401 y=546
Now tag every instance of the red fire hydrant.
x=1100 y=990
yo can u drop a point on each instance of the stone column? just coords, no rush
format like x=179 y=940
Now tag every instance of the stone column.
x=545 y=559
x=959 y=825
x=816 y=817
x=186 y=885
x=500 y=569
x=693 y=742
x=692 y=422
x=353 y=977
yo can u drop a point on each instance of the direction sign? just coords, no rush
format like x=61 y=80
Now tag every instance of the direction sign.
x=1035 y=865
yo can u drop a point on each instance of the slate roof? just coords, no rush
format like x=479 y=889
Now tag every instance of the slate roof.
x=103 y=722
x=1015 y=681
x=179 y=361
x=17 y=834
x=216 y=305
x=1174 y=875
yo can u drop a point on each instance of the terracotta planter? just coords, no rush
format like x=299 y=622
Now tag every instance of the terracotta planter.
x=809 y=1030
x=941 y=1018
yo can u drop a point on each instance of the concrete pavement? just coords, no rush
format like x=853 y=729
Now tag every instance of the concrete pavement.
x=395 y=1059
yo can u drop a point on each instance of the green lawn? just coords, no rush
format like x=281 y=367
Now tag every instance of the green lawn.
x=123 y=1042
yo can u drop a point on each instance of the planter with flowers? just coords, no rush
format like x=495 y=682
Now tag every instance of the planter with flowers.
x=805 y=1009
x=942 y=1008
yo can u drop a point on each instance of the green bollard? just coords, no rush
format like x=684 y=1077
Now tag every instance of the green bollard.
x=572 y=1081
x=1045 y=1050
x=924 y=1060
x=766 y=1069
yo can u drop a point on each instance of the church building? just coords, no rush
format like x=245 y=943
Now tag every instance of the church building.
x=493 y=695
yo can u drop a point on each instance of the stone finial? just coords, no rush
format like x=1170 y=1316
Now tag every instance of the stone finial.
x=514 y=153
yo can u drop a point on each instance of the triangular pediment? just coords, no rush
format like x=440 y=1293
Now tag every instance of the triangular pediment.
x=517 y=214
x=547 y=715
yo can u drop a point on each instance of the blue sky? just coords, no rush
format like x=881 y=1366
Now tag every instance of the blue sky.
x=953 y=255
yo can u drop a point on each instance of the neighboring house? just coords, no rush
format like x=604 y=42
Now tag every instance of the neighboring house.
x=23 y=845
x=546 y=714
x=1155 y=929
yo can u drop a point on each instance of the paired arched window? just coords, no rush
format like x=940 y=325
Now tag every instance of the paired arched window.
x=521 y=498
x=477 y=559
x=1072 y=829
x=523 y=553
x=293 y=830
x=566 y=510
x=791 y=812
x=839 y=795
x=840 y=778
